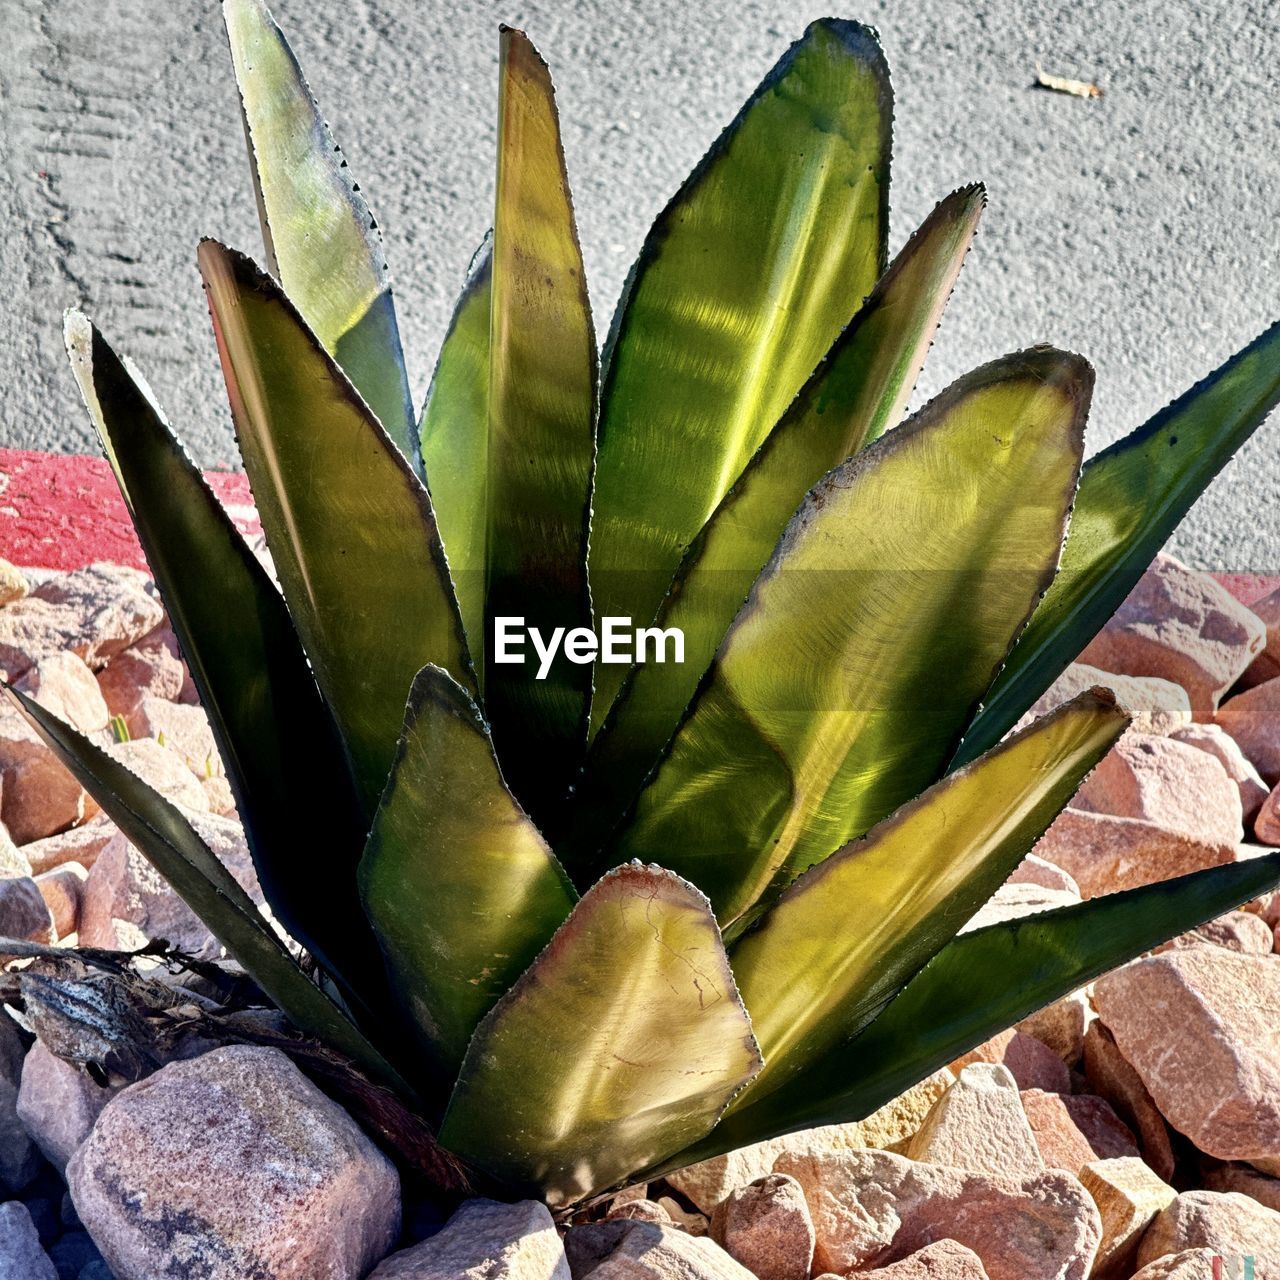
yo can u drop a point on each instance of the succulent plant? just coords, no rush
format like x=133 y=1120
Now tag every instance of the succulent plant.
x=600 y=924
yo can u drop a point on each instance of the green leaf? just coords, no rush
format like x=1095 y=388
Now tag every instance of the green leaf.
x=842 y=687
x=542 y=389
x=983 y=982
x=622 y=1043
x=743 y=284
x=320 y=237
x=455 y=446
x=157 y=829
x=1132 y=496
x=850 y=932
x=460 y=887
x=349 y=525
x=860 y=389
x=274 y=733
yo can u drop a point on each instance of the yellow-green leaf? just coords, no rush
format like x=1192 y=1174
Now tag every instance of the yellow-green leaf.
x=349 y=525
x=844 y=683
x=320 y=237
x=460 y=887
x=850 y=932
x=743 y=284
x=542 y=392
x=621 y=1044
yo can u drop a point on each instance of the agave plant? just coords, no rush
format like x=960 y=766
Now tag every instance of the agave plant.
x=597 y=925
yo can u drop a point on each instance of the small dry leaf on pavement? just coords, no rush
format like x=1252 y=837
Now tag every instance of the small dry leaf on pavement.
x=1064 y=84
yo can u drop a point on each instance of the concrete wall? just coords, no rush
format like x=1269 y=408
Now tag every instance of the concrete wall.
x=1140 y=229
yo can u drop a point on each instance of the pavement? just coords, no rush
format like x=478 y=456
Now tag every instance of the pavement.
x=1139 y=228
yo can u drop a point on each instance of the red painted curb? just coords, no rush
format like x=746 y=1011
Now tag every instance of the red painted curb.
x=64 y=511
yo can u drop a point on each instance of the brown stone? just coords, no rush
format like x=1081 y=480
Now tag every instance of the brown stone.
x=1181 y=626
x=23 y=914
x=942 y=1260
x=766 y=1227
x=1035 y=870
x=1157 y=706
x=639 y=1211
x=1218 y=1175
x=1061 y=1025
x=21 y=1255
x=233 y=1165
x=38 y=797
x=58 y=1103
x=1215 y=740
x=13 y=585
x=1190 y=1264
x=1226 y=1223
x=162 y=770
x=1166 y=782
x=1266 y=826
x=1266 y=666
x=622 y=1250
x=1236 y=931
x=1199 y=1027
x=1106 y=854
x=146 y=669
x=485 y=1240
x=1032 y=1063
x=1252 y=718
x=61 y=890
x=1073 y=1130
x=871 y=1208
x=79 y=845
x=1111 y=1076
x=1128 y=1196
x=979 y=1125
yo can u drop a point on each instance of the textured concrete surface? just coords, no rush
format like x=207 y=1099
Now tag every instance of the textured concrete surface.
x=1140 y=229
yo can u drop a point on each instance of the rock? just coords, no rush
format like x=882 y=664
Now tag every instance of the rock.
x=1061 y=1025
x=1199 y=1027
x=73 y=1252
x=38 y=797
x=80 y=845
x=124 y=887
x=1242 y=1178
x=1191 y=1264
x=1266 y=666
x=871 y=1208
x=690 y=1220
x=1252 y=718
x=61 y=890
x=621 y=1250
x=1128 y=1196
x=23 y=914
x=766 y=1227
x=163 y=770
x=1226 y=1223
x=1236 y=931
x=1157 y=706
x=146 y=669
x=1169 y=783
x=1181 y=626
x=1266 y=825
x=639 y=1211
x=485 y=1240
x=12 y=1049
x=1032 y=1063
x=1013 y=901
x=1072 y=1130
x=64 y=685
x=979 y=1125
x=233 y=1165
x=19 y=1159
x=1214 y=740
x=13 y=586
x=1112 y=1077
x=13 y=861
x=708 y=1182
x=58 y=1104
x=183 y=730
x=21 y=1255
x=1106 y=854
x=217 y=790
x=942 y=1260
x=1035 y=870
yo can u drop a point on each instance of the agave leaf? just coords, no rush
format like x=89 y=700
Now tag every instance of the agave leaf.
x=274 y=732
x=850 y=932
x=860 y=389
x=350 y=527
x=1132 y=496
x=622 y=1043
x=460 y=887
x=455 y=446
x=320 y=237
x=743 y=284
x=823 y=711
x=158 y=830
x=542 y=388
x=981 y=983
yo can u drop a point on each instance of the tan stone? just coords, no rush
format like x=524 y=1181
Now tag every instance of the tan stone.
x=639 y=1211
x=1215 y=740
x=1190 y=1264
x=64 y=685
x=1061 y=1025
x=233 y=1165
x=1031 y=1062
x=1072 y=1130
x=13 y=861
x=182 y=729
x=979 y=1125
x=1236 y=931
x=1252 y=718
x=61 y=890
x=217 y=790
x=690 y=1220
x=1013 y=901
x=1128 y=1196
x=79 y=845
x=622 y=1250
x=23 y=913
x=58 y=1103
x=485 y=1240
x=1199 y=1027
x=163 y=770
x=1218 y=1175
x=1035 y=870
x=942 y=1260
x=766 y=1227
x=1226 y=1223
x=1181 y=626
x=1157 y=706
x=871 y=1208
x=1266 y=666
x=1266 y=826
x=13 y=585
